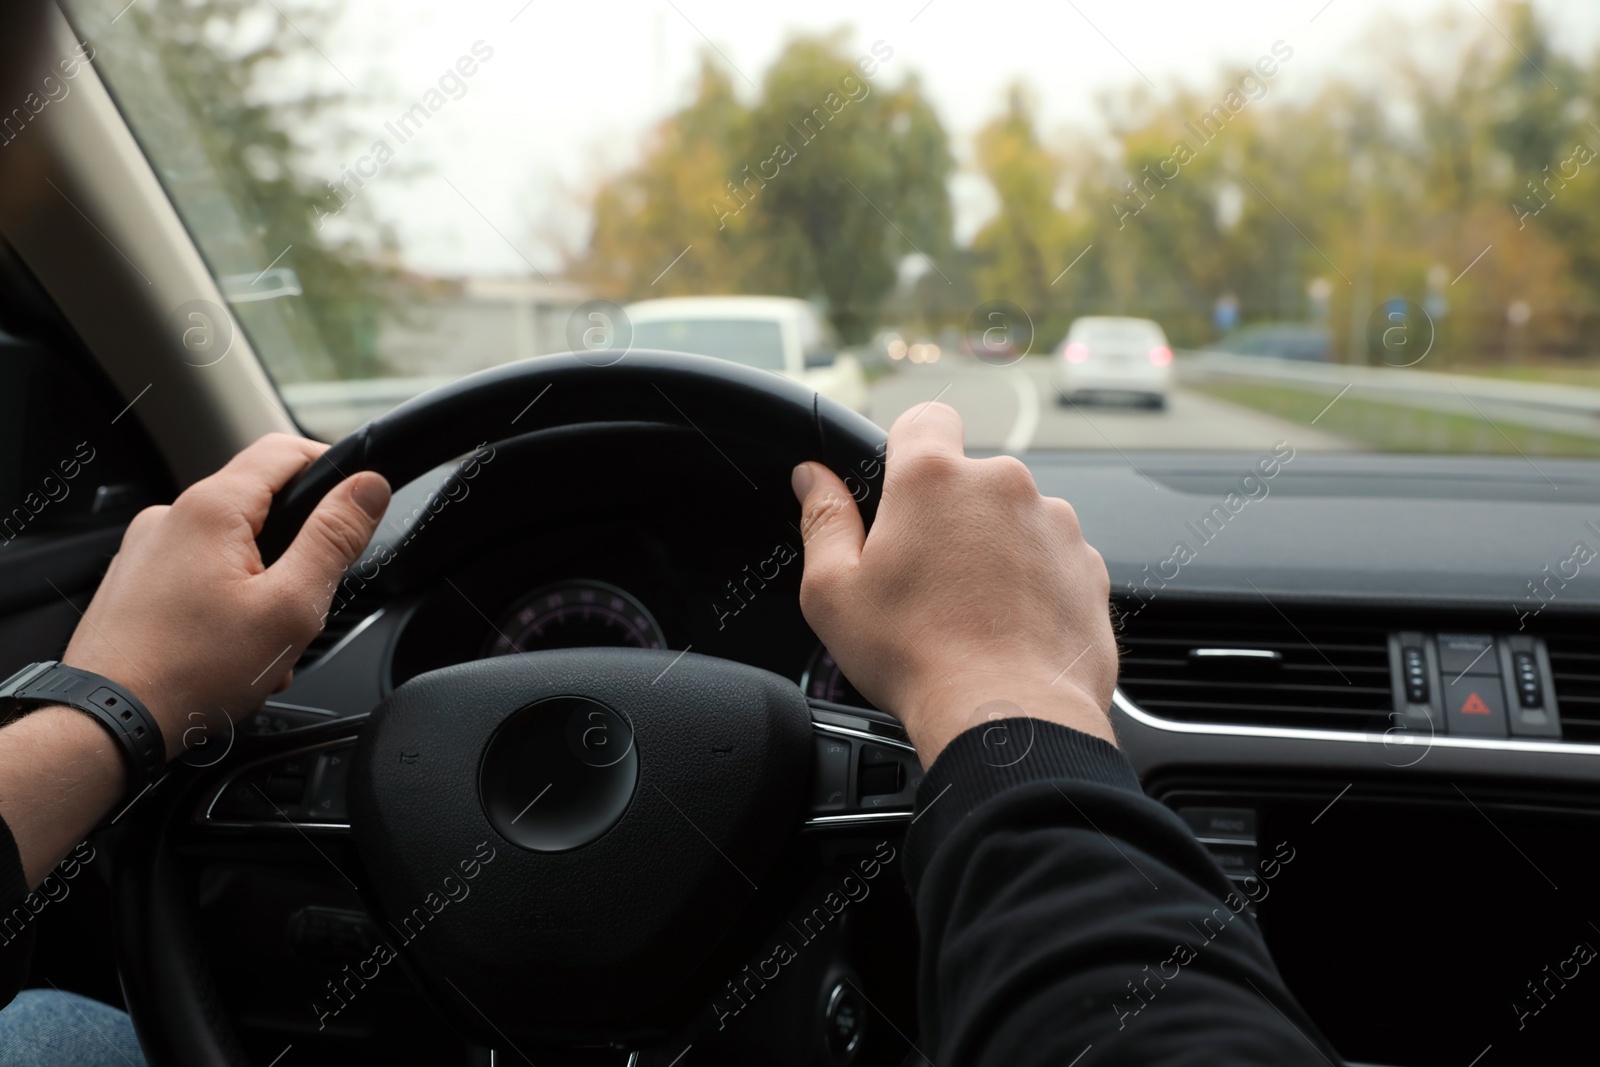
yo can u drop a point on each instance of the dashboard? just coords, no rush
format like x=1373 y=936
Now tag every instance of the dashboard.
x=542 y=551
x=1260 y=685
x=656 y=593
x=584 y=612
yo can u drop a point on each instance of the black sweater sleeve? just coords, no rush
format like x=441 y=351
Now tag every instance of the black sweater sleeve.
x=16 y=918
x=1068 y=919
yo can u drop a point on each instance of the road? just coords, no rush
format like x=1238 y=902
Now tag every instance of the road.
x=1013 y=409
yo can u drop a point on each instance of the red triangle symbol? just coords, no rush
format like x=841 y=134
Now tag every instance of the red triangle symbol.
x=1474 y=706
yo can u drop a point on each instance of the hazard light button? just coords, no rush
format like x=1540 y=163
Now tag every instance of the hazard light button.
x=1475 y=705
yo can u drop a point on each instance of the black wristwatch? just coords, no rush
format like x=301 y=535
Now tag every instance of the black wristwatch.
x=118 y=710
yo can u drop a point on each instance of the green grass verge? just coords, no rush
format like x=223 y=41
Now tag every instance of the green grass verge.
x=1386 y=427
x=1555 y=373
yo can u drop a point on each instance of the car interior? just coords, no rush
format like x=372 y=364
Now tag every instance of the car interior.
x=1369 y=681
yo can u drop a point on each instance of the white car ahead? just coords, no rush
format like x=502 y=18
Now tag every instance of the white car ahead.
x=1113 y=357
x=776 y=333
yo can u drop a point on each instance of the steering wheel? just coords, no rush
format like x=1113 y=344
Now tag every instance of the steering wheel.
x=634 y=802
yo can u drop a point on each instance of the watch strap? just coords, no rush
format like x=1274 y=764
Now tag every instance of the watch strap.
x=122 y=714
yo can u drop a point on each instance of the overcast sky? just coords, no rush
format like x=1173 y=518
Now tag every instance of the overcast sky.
x=572 y=88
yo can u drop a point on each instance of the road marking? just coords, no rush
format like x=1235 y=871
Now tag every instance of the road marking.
x=1027 y=424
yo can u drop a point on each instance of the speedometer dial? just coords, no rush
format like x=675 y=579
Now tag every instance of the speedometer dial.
x=823 y=680
x=576 y=614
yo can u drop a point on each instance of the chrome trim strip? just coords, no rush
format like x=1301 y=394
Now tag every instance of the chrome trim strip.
x=898 y=815
x=205 y=819
x=861 y=735
x=1400 y=737
x=339 y=645
x=302 y=827
x=300 y=707
x=858 y=817
x=1235 y=653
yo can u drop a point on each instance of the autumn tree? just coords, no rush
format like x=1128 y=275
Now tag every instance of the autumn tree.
x=234 y=141
x=817 y=189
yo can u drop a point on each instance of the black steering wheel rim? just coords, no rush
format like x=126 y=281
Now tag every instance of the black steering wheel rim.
x=164 y=973
x=717 y=397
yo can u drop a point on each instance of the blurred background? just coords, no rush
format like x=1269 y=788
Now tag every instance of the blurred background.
x=1350 y=225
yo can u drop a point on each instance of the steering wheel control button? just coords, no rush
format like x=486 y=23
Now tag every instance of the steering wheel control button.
x=888 y=777
x=881 y=779
x=1475 y=706
x=830 y=789
x=329 y=786
x=559 y=773
x=853 y=776
x=1467 y=654
x=337 y=935
x=843 y=1021
x=306 y=788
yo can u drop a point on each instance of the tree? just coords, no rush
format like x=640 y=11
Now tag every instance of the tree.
x=818 y=189
x=218 y=60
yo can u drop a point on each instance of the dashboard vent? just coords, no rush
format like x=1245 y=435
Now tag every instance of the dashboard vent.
x=1575 y=671
x=1312 y=668
x=335 y=629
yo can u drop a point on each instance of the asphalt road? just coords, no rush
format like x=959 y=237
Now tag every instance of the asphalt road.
x=1013 y=409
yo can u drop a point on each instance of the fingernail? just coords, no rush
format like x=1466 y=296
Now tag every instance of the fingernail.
x=371 y=494
x=801 y=480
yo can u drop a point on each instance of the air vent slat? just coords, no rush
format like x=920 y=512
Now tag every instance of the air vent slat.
x=335 y=628
x=1331 y=675
x=1575 y=673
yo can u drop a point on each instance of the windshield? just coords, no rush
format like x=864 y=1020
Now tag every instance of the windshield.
x=748 y=341
x=1358 y=229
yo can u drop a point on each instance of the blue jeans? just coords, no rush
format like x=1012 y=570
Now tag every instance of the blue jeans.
x=43 y=1027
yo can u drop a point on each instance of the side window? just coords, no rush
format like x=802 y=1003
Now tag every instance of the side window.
x=64 y=464
x=72 y=457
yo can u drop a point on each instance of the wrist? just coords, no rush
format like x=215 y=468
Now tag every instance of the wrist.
x=100 y=757
x=947 y=708
x=157 y=701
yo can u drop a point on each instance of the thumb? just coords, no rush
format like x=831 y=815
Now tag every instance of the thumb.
x=335 y=535
x=830 y=529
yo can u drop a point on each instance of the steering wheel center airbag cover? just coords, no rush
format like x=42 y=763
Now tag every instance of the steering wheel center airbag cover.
x=599 y=914
x=558 y=774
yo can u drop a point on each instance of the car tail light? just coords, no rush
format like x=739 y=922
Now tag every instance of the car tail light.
x=1161 y=355
x=1076 y=352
